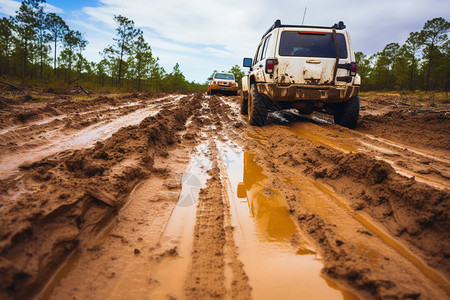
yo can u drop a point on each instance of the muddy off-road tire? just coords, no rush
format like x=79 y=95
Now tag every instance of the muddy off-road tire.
x=244 y=105
x=257 y=108
x=346 y=114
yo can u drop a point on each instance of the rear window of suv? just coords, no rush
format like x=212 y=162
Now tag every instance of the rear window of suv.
x=295 y=43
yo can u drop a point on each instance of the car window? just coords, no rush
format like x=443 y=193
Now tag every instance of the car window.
x=266 y=47
x=224 y=76
x=258 y=54
x=295 y=43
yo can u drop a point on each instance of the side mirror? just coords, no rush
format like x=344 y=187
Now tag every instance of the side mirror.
x=210 y=78
x=247 y=62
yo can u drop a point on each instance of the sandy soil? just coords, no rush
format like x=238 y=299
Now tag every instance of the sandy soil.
x=177 y=197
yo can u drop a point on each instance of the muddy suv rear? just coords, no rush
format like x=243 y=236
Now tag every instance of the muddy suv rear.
x=304 y=67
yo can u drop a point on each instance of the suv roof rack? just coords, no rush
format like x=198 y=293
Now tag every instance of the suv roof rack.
x=278 y=24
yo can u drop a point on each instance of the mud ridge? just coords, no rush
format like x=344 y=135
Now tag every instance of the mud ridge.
x=213 y=244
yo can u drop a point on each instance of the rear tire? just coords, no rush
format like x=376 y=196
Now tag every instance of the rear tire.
x=346 y=114
x=257 y=108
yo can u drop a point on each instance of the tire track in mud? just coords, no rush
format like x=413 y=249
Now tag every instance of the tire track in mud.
x=72 y=132
x=260 y=283
x=399 y=189
x=283 y=152
x=368 y=185
x=213 y=247
x=65 y=200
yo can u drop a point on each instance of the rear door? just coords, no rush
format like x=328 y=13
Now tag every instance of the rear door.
x=308 y=56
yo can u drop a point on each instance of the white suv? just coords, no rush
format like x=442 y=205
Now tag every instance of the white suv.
x=304 y=67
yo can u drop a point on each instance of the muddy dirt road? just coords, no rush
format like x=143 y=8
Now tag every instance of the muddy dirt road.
x=142 y=196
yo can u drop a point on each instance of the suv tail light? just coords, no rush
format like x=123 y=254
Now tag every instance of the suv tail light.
x=353 y=69
x=269 y=66
x=312 y=32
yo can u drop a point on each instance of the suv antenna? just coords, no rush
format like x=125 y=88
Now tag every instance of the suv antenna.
x=304 y=14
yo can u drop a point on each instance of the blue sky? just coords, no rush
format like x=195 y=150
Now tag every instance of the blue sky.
x=203 y=35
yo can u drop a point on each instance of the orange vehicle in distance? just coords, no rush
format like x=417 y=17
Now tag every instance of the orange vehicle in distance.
x=223 y=83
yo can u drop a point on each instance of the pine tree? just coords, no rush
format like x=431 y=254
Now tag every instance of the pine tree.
x=433 y=34
x=142 y=59
x=125 y=34
x=26 y=21
x=6 y=38
x=57 y=28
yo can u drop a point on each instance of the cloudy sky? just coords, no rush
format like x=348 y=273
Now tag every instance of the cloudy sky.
x=203 y=35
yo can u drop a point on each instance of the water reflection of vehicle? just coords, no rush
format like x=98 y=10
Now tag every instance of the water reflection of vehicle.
x=266 y=205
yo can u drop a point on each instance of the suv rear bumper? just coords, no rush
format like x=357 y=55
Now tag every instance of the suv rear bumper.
x=297 y=92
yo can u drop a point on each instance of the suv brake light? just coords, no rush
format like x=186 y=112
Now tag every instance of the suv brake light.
x=269 y=66
x=353 y=69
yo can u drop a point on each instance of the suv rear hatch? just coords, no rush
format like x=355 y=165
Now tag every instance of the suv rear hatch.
x=308 y=56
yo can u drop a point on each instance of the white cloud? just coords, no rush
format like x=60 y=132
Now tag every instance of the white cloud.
x=9 y=7
x=53 y=9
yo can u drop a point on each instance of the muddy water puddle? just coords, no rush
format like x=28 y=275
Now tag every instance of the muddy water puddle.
x=169 y=273
x=280 y=262
x=322 y=136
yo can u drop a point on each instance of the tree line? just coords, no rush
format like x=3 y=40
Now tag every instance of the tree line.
x=421 y=63
x=29 y=44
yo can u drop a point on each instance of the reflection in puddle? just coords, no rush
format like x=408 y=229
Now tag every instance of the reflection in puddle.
x=267 y=206
x=279 y=261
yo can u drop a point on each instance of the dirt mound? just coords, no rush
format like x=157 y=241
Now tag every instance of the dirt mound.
x=82 y=190
x=409 y=126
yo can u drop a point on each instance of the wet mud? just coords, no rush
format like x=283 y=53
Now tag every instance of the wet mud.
x=172 y=196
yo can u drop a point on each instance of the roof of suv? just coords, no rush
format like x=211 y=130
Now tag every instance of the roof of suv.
x=278 y=24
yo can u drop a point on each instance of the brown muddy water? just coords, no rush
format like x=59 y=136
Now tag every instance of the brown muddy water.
x=278 y=259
